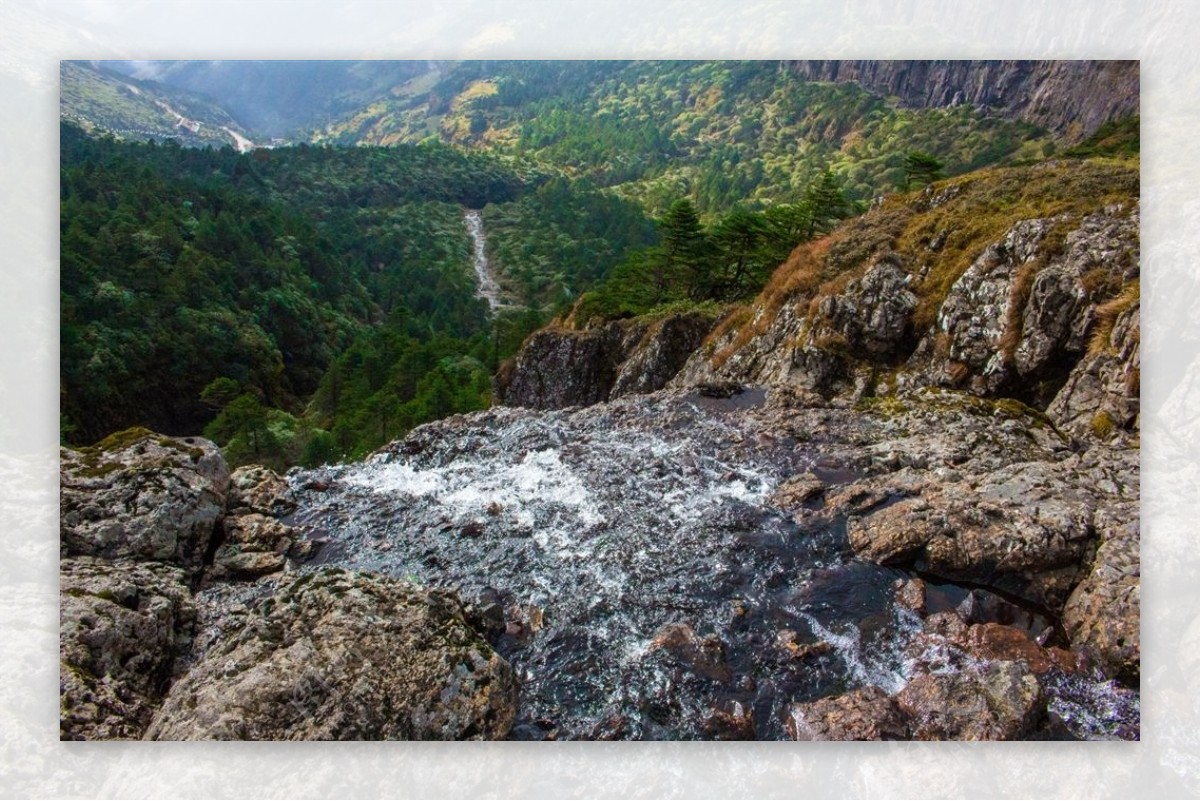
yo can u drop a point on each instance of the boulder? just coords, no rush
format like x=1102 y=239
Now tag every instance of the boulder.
x=253 y=545
x=865 y=714
x=254 y=488
x=992 y=701
x=335 y=655
x=121 y=624
x=138 y=495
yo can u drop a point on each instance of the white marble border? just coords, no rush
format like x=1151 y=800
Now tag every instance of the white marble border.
x=35 y=34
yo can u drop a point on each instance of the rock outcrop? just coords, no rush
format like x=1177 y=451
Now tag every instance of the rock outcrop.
x=148 y=519
x=138 y=495
x=560 y=367
x=335 y=655
x=1071 y=98
x=121 y=624
x=1045 y=311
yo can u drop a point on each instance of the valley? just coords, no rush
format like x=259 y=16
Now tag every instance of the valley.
x=605 y=400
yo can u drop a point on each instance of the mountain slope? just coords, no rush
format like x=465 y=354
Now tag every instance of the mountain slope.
x=1071 y=98
x=283 y=98
x=99 y=99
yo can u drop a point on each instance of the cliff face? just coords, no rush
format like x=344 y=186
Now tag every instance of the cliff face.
x=1070 y=98
x=558 y=368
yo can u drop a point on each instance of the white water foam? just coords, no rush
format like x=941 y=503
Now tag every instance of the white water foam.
x=471 y=490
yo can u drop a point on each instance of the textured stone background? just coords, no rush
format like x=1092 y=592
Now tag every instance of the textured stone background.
x=35 y=35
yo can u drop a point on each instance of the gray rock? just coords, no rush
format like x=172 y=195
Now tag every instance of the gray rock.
x=335 y=655
x=660 y=353
x=1100 y=399
x=121 y=624
x=1102 y=616
x=254 y=488
x=139 y=495
x=873 y=316
x=559 y=367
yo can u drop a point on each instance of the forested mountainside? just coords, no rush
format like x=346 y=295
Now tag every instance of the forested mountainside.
x=283 y=98
x=200 y=283
x=721 y=132
x=106 y=101
x=617 y=400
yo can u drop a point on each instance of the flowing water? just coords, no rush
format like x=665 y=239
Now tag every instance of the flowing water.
x=628 y=561
x=489 y=290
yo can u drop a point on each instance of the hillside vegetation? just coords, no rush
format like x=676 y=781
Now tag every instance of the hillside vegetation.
x=203 y=286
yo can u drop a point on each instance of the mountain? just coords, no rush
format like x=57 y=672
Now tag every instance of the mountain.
x=833 y=432
x=1070 y=98
x=283 y=98
x=103 y=100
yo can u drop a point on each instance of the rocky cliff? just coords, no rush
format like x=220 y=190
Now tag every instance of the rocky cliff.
x=1070 y=98
x=172 y=570
x=560 y=367
x=1017 y=283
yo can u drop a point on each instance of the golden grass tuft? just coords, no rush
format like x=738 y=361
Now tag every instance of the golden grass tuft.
x=1107 y=315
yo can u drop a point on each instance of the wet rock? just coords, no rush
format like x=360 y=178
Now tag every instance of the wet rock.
x=121 y=624
x=486 y=614
x=789 y=642
x=865 y=714
x=138 y=495
x=335 y=655
x=704 y=655
x=997 y=642
x=993 y=701
x=910 y=593
x=797 y=491
x=731 y=721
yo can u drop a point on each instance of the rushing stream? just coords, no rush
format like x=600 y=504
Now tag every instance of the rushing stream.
x=628 y=562
x=489 y=290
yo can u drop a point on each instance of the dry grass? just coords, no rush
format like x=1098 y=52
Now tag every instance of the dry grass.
x=980 y=210
x=1107 y=315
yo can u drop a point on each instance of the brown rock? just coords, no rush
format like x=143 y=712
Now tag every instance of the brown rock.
x=866 y=714
x=704 y=655
x=730 y=721
x=910 y=593
x=997 y=642
x=994 y=701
